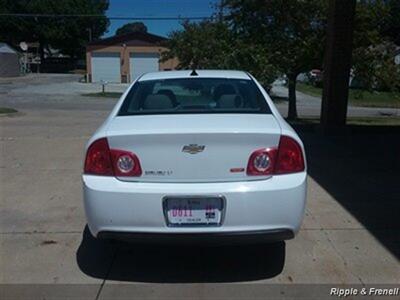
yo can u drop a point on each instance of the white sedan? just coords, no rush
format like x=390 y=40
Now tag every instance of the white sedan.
x=195 y=156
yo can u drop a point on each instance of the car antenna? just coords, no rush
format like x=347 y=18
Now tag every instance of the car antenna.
x=194 y=73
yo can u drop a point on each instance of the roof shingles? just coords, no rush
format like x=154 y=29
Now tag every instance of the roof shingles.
x=130 y=39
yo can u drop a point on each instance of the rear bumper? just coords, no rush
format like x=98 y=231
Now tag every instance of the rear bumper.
x=240 y=237
x=262 y=209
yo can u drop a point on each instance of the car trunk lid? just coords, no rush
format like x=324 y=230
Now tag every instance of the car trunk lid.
x=193 y=147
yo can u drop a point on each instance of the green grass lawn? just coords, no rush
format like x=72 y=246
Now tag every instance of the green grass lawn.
x=359 y=97
x=7 y=110
x=104 y=95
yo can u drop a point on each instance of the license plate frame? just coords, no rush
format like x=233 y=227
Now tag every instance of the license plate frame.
x=222 y=203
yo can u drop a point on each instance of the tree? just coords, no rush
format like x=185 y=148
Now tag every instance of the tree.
x=294 y=36
x=372 y=49
x=291 y=32
x=69 y=34
x=212 y=45
x=131 y=27
x=391 y=23
x=375 y=45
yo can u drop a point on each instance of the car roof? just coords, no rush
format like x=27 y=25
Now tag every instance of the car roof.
x=200 y=74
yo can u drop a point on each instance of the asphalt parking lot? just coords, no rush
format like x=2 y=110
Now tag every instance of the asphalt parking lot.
x=350 y=234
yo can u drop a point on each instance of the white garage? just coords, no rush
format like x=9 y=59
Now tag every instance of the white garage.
x=141 y=63
x=122 y=58
x=106 y=66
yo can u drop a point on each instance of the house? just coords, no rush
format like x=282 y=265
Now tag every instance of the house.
x=123 y=58
x=9 y=61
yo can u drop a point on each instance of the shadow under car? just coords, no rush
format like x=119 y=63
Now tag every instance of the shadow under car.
x=121 y=261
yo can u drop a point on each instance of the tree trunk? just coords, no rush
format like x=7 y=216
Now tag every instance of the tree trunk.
x=292 y=112
x=41 y=51
x=337 y=65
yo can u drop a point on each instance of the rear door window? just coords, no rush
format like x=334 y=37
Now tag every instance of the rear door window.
x=194 y=95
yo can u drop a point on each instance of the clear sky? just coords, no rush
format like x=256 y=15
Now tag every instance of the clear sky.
x=157 y=8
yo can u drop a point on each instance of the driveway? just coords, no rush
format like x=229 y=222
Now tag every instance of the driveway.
x=349 y=235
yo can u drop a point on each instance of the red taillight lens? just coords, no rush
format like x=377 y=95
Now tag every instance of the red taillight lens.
x=98 y=159
x=290 y=156
x=101 y=160
x=125 y=163
x=262 y=162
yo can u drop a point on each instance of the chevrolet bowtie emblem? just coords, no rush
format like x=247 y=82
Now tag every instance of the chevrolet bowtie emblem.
x=193 y=148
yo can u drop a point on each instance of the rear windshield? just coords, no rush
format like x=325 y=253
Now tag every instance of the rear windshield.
x=194 y=95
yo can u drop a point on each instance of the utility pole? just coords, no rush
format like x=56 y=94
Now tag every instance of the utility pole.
x=337 y=64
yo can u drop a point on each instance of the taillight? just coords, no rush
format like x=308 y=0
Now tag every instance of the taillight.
x=288 y=158
x=262 y=162
x=125 y=163
x=98 y=159
x=101 y=160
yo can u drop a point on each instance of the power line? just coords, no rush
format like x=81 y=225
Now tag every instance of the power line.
x=108 y=17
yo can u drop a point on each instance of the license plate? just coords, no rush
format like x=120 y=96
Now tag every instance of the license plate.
x=188 y=211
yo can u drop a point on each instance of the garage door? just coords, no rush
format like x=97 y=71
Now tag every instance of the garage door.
x=106 y=67
x=141 y=63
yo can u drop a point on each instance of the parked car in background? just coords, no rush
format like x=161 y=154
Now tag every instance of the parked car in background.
x=195 y=155
x=316 y=77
